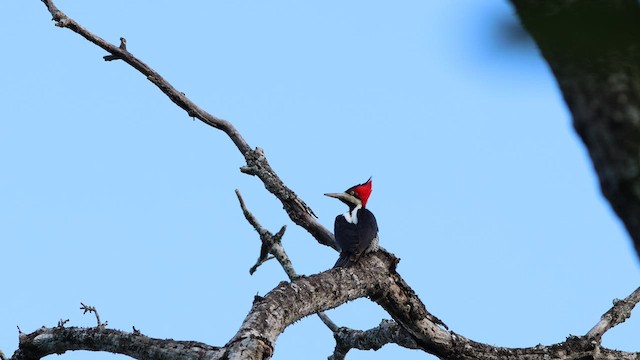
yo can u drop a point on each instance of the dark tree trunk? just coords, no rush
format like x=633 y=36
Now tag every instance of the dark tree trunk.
x=593 y=49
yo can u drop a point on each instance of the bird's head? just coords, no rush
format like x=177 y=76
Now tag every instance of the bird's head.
x=355 y=195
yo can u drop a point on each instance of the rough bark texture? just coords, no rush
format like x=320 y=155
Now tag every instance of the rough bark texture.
x=388 y=332
x=593 y=49
x=58 y=340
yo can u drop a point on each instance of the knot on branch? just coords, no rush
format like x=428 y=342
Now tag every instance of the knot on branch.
x=61 y=22
x=271 y=245
x=620 y=311
x=579 y=344
x=257 y=165
x=123 y=47
x=249 y=347
x=58 y=16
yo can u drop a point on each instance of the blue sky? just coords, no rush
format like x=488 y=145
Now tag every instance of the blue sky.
x=112 y=196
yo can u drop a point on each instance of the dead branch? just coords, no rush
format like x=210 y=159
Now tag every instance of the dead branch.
x=58 y=340
x=257 y=164
x=92 y=309
x=270 y=243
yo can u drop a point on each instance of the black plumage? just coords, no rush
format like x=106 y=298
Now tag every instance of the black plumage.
x=355 y=237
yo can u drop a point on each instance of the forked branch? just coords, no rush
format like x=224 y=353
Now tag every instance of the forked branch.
x=270 y=243
x=88 y=309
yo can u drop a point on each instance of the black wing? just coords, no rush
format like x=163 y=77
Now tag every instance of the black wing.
x=367 y=228
x=345 y=233
x=354 y=239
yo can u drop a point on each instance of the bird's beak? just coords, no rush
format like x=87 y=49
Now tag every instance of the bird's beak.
x=344 y=197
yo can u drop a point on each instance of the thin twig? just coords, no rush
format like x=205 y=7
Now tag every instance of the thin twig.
x=619 y=312
x=92 y=309
x=327 y=321
x=61 y=323
x=260 y=261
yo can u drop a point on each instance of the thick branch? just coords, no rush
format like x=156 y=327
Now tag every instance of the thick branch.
x=257 y=164
x=58 y=340
x=88 y=309
x=371 y=277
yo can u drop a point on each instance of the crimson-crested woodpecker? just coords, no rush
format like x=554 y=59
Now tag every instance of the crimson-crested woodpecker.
x=356 y=231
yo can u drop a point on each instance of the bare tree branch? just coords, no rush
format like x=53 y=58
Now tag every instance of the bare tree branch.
x=257 y=164
x=57 y=340
x=89 y=309
x=123 y=46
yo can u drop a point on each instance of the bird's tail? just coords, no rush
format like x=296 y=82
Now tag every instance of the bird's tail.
x=343 y=261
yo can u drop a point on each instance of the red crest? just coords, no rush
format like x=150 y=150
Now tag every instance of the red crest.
x=363 y=191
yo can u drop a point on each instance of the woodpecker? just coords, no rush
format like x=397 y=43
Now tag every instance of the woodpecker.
x=356 y=230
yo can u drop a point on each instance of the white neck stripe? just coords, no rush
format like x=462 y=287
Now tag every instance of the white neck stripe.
x=352 y=216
